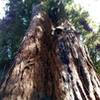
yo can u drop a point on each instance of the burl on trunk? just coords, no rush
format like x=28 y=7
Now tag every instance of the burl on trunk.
x=51 y=66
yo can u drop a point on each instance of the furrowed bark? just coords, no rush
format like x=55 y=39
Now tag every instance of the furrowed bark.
x=74 y=74
x=30 y=76
x=49 y=67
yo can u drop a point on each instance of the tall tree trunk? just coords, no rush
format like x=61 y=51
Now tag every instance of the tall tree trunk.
x=51 y=67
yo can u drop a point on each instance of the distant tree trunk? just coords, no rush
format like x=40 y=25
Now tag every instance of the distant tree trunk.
x=51 y=67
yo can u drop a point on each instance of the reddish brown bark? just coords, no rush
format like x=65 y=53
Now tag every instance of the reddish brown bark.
x=51 y=67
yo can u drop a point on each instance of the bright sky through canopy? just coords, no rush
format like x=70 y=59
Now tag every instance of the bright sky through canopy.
x=92 y=6
x=2 y=8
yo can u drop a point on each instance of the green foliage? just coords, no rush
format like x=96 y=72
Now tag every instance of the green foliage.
x=12 y=30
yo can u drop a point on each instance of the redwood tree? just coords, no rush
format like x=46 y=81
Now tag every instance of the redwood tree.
x=51 y=64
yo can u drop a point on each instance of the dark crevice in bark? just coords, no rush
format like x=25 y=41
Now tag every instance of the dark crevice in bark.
x=82 y=75
x=96 y=96
x=63 y=51
x=75 y=96
x=81 y=92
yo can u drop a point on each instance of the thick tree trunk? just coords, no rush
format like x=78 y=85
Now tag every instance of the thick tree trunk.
x=51 y=67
